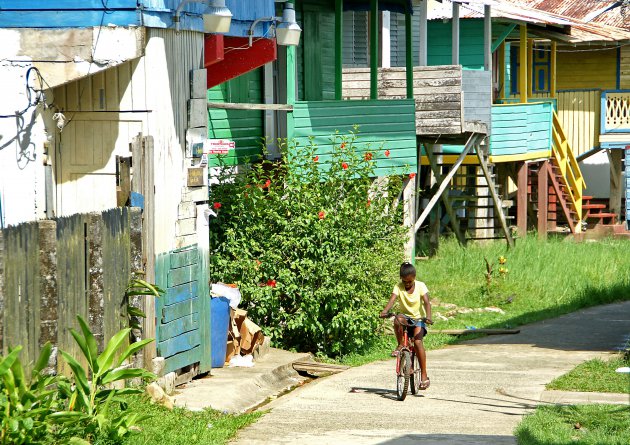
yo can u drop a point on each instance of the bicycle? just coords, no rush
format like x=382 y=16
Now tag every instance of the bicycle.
x=407 y=362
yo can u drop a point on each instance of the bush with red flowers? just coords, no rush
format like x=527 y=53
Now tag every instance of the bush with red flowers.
x=313 y=243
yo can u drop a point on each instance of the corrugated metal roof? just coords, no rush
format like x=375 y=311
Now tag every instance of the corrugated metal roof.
x=526 y=11
x=605 y=12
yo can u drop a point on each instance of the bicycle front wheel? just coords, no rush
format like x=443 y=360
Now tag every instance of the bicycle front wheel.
x=415 y=375
x=402 y=383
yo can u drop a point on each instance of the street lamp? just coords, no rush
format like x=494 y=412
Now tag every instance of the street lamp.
x=287 y=30
x=216 y=18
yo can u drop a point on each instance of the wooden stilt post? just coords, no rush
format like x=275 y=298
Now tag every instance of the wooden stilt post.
x=521 y=199
x=543 y=197
x=455 y=34
x=447 y=179
x=447 y=203
x=409 y=205
x=374 y=49
x=616 y=180
x=338 y=49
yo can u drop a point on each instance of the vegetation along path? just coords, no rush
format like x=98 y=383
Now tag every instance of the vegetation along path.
x=479 y=392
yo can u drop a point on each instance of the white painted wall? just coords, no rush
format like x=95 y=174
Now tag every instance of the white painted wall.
x=596 y=172
x=21 y=149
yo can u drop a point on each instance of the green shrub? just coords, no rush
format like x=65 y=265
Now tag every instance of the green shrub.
x=26 y=403
x=88 y=402
x=314 y=247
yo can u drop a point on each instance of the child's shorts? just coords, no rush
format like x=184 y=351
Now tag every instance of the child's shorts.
x=412 y=323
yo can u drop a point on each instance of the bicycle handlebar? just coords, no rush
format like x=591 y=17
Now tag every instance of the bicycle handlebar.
x=393 y=314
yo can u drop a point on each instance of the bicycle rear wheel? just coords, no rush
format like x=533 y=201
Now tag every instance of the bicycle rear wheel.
x=402 y=382
x=415 y=375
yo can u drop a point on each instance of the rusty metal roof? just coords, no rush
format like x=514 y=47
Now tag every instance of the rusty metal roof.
x=589 y=11
x=555 y=24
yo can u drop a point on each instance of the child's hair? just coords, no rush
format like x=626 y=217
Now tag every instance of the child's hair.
x=407 y=269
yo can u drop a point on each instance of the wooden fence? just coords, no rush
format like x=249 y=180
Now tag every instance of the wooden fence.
x=53 y=270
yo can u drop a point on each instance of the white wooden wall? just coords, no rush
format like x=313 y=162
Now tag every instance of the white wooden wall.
x=105 y=111
x=437 y=91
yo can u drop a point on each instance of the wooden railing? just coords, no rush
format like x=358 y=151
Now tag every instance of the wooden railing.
x=565 y=160
x=616 y=111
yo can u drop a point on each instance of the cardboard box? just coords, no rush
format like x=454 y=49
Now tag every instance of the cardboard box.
x=251 y=335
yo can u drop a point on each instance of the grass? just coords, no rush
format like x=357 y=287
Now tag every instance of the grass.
x=595 y=376
x=183 y=427
x=544 y=280
x=583 y=424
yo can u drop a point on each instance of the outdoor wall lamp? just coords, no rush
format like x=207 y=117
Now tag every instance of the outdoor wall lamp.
x=287 y=30
x=216 y=18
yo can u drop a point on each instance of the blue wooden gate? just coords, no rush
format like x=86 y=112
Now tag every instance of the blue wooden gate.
x=183 y=312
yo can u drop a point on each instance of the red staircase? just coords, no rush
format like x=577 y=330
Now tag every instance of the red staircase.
x=597 y=211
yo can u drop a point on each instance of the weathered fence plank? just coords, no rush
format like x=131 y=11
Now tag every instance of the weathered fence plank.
x=1 y=291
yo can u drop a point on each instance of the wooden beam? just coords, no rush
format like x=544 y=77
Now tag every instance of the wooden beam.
x=498 y=207
x=447 y=203
x=530 y=64
x=455 y=34
x=553 y=88
x=240 y=106
x=543 y=199
x=374 y=49
x=447 y=180
x=521 y=199
x=501 y=57
x=522 y=72
x=409 y=54
x=487 y=37
x=423 y=45
x=501 y=39
x=338 y=49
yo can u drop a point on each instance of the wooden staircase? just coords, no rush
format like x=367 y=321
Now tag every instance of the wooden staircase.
x=565 y=178
x=597 y=211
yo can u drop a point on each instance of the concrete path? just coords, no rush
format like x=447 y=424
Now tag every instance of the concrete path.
x=479 y=390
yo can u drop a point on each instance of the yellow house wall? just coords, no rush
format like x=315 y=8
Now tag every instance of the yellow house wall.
x=588 y=69
x=625 y=67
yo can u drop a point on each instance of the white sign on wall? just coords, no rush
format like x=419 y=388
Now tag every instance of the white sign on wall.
x=218 y=146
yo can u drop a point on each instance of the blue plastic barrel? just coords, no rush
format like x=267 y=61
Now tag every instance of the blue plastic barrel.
x=219 y=323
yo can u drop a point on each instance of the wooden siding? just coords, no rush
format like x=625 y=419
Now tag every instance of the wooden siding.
x=316 y=52
x=382 y=124
x=470 y=47
x=477 y=86
x=183 y=313
x=587 y=69
x=579 y=113
x=244 y=127
x=437 y=92
x=87 y=13
x=624 y=68
x=521 y=129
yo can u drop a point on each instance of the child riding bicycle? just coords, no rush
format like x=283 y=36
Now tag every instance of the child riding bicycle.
x=409 y=293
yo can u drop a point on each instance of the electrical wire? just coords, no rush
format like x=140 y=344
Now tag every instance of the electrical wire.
x=29 y=94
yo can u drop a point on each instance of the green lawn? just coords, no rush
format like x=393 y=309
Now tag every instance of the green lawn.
x=595 y=376
x=183 y=427
x=583 y=424
x=543 y=280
